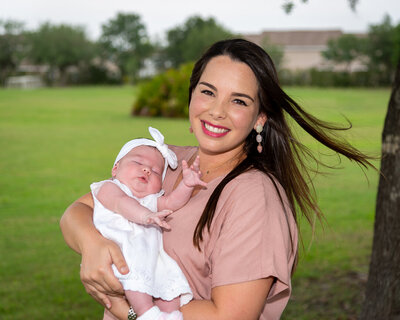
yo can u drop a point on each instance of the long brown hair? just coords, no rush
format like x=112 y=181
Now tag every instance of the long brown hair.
x=283 y=157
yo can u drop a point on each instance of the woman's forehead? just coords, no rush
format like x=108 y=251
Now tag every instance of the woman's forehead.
x=227 y=71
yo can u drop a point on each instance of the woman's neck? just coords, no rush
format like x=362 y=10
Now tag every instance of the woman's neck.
x=215 y=165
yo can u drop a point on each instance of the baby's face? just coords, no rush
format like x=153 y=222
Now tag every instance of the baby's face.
x=141 y=170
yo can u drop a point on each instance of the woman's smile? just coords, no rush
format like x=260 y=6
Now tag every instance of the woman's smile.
x=213 y=130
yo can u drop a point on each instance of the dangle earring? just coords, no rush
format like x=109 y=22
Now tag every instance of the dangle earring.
x=190 y=129
x=259 y=129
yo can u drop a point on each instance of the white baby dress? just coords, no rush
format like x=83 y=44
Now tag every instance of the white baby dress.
x=151 y=269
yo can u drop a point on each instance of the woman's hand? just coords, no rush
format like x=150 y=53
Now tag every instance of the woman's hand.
x=98 y=253
x=96 y=273
x=119 y=308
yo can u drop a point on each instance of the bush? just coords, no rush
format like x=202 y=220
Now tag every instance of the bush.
x=166 y=95
x=328 y=78
x=94 y=73
x=98 y=74
x=294 y=77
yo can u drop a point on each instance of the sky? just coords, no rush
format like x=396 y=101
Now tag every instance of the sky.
x=239 y=16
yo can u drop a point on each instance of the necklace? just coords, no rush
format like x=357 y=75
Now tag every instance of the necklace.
x=208 y=171
x=235 y=160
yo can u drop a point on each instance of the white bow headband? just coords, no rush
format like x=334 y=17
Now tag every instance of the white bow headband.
x=169 y=155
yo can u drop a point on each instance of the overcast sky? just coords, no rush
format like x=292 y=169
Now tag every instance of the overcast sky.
x=242 y=16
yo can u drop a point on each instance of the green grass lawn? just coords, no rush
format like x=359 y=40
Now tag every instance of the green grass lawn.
x=55 y=142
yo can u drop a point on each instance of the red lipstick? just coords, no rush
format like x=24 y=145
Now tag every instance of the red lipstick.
x=212 y=133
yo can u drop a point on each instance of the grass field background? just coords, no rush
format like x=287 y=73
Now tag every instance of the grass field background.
x=55 y=142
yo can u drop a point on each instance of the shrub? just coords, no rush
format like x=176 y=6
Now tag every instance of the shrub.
x=93 y=73
x=329 y=78
x=294 y=77
x=165 y=95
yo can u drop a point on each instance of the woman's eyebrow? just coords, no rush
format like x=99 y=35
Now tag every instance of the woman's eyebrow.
x=208 y=85
x=236 y=94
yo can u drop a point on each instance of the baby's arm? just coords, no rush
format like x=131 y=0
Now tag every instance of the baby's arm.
x=191 y=177
x=114 y=199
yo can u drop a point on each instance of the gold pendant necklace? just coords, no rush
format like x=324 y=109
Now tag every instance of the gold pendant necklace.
x=228 y=163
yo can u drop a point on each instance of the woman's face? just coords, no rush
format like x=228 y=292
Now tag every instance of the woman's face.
x=224 y=107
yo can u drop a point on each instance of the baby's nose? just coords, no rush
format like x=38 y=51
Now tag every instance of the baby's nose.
x=146 y=170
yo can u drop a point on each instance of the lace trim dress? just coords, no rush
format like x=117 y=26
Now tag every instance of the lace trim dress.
x=152 y=270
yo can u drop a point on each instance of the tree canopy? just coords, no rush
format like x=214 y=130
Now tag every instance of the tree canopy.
x=124 y=41
x=275 y=52
x=187 y=42
x=379 y=49
x=289 y=5
x=345 y=49
x=59 y=46
x=12 y=46
x=383 y=47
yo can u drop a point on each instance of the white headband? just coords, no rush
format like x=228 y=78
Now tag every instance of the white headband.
x=169 y=155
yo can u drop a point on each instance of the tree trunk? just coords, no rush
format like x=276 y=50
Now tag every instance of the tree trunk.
x=382 y=296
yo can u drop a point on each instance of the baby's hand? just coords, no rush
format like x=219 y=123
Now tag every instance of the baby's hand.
x=192 y=175
x=158 y=219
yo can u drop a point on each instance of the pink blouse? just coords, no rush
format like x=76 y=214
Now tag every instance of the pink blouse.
x=250 y=238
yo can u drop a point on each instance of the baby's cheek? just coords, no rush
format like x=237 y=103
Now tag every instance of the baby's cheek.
x=155 y=184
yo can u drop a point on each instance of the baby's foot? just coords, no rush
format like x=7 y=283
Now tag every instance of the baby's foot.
x=153 y=313
x=175 y=315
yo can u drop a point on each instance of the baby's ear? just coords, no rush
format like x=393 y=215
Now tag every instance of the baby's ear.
x=114 y=170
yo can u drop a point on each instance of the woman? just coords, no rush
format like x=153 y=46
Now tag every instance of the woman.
x=235 y=241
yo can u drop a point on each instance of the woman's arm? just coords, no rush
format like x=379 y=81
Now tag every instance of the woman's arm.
x=240 y=301
x=77 y=222
x=98 y=253
x=237 y=301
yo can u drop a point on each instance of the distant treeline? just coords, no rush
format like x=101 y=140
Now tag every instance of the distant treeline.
x=124 y=53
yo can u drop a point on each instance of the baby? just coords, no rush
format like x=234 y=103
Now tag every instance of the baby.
x=130 y=209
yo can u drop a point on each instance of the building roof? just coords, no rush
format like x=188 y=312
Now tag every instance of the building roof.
x=295 y=38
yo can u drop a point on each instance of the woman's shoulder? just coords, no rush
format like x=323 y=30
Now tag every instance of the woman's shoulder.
x=255 y=188
x=183 y=152
x=255 y=180
x=255 y=196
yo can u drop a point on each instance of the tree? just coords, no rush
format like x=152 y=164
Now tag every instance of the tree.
x=382 y=295
x=381 y=49
x=59 y=47
x=186 y=43
x=124 y=41
x=345 y=49
x=396 y=44
x=11 y=47
x=289 y=5
x=275 y=52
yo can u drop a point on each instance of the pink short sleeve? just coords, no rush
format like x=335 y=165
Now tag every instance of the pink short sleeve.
x=256 y=239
